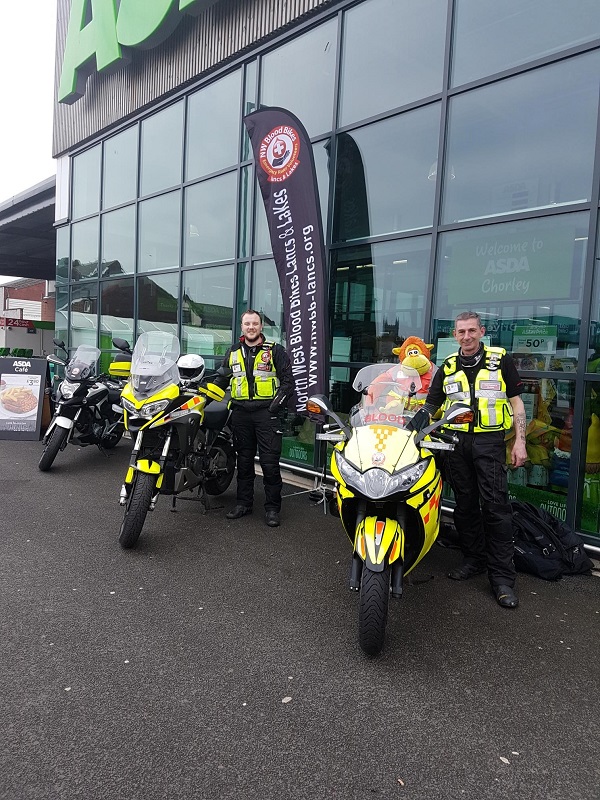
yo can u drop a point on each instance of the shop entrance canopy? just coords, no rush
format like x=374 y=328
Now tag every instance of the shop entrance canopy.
x=27 y=235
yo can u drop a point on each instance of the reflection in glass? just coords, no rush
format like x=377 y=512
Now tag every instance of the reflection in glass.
x=376 y=298
x=310 y=59
x=266 y=298
x=84 y=249
x=249 y=104
x=207 y=310
x=158 y=303
x=213 y=127
x=382 y=173
x=118 y=242
x=525 y=279
x=159 y=232
x=120 y=168
x=593 y=358
x=161 y=149
x=523 y=143
x=61 y=317
x=589 y=492
x=84 y=314
x=393 y=55
x=521 y=32
x=62 y=254
x=86 y=183
x=209 y=226
x=116 y=312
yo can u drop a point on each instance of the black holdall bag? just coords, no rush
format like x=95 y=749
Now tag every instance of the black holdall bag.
x=545 y=546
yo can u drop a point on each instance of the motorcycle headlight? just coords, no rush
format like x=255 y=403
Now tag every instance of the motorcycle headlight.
x=377 y=483
x=129 y=407
x=149 y=410
x=68 y=389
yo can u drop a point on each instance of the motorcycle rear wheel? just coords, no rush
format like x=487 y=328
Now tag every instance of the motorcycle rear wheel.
x=226 y=466
x=138 y=504
x=373 y=609
x=52 y=447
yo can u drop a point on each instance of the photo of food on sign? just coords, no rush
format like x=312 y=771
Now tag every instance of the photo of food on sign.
x=19 y=396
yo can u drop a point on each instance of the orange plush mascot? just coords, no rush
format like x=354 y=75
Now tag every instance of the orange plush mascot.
x=413 y=353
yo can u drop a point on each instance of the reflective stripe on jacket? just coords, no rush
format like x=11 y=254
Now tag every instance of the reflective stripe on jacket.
x=264 y=376
x=493 y=411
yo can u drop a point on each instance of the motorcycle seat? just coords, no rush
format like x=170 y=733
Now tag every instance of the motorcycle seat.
x=216 y=415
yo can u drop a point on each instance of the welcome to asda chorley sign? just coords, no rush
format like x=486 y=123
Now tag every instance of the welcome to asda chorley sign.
x=101 y=32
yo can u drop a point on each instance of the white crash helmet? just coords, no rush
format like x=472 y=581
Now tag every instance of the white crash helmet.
x=191 y=366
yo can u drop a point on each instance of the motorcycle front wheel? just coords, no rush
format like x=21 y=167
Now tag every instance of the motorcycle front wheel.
x=136 y=508
x=225 y=464
x=52 y=447
x=373 y=609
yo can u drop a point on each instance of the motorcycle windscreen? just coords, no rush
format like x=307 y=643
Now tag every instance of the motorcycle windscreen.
x=390 y=395
x=83 y=363
x=154 y=362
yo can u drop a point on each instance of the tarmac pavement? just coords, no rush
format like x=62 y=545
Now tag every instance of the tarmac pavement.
x=219 y=660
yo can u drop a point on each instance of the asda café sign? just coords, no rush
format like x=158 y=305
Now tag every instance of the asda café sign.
x=101 y=32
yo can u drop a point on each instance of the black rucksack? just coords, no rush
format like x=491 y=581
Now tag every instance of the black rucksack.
x=545 y=546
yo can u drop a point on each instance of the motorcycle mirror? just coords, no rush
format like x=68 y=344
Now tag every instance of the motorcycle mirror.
x=122 y=344
x=318 y=404
x=55 y=360
x=60 y=343
x=459 y=413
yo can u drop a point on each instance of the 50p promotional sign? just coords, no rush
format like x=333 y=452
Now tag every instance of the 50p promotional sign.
x=286 y=175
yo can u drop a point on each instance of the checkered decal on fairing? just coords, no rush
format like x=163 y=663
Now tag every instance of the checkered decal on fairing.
x=382 y=432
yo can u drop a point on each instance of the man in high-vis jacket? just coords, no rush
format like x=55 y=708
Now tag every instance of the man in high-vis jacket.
x=261 y=380
x=486 y=379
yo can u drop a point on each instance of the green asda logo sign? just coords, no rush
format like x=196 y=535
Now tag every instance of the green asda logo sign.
x=101 y=32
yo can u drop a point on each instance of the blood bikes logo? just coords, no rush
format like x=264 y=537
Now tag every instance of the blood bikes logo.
x=278 y=153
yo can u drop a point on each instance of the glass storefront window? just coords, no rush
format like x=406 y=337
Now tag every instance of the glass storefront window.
x=157 y=303
x=159 y=232
x=246 y=186
x=162 y=149
x=376 y=298
x=524 y=143
x=249 y=105
x=525 y=279
x=84 y=314
x=266 y=298
x=207 y=310
x=544 y=478
x=62 y=254
x=61 y=317
x=210 y=209
x=116 y=315
x=589 y=493
x=120 y=168
x=593 y=357
x=383 y=176
x=242 y=293
x=84 y=249
x=393 y=54
x=213 y=127
x=490 y=37
x=310 y=58
x=86 y=183
x=118 y=242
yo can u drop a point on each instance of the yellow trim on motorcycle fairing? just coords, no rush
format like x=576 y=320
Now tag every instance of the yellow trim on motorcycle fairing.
x=170 y=392
x=130 y=474
x=428 y=504
x=386 y=531
x=147 y=466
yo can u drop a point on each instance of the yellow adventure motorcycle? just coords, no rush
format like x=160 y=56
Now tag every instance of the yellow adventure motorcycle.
x=179 y=444
x=388 y=486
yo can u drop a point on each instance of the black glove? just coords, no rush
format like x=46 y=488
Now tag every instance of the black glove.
x=420 y=420
x=277 y=403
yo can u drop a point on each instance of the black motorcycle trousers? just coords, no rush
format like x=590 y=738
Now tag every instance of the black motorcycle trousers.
x=476 y=471
x=252 y=429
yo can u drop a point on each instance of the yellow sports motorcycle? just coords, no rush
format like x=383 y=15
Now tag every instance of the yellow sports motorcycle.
x=179 y=445
x=388 y=486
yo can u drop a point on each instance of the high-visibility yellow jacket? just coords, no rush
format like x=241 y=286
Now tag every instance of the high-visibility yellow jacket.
x=264 y=378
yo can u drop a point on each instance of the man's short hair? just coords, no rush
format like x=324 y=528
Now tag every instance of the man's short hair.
x=464 y=315
x=251 y=311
